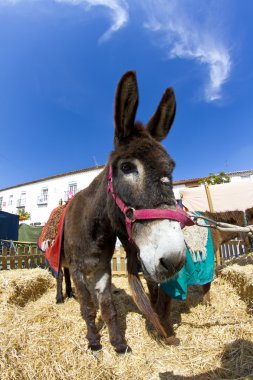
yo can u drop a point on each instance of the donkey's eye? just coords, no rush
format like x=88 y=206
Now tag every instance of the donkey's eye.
x=128 y=167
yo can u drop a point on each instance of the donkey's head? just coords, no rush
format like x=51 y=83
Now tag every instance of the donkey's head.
x=141 y=171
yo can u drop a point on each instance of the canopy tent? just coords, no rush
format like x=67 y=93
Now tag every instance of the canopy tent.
x=8 y=226
x=224 y=197
x=29 y=233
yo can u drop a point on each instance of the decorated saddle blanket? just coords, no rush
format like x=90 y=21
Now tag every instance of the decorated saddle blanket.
x=50 y=241
x=199 y=266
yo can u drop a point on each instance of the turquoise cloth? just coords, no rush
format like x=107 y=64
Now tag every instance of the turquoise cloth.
x=193 y=273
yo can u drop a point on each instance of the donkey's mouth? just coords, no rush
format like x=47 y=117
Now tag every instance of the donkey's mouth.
x=171 y=268
x=167 y=272
x=164 y=273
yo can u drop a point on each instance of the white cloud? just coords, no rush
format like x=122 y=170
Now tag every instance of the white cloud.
x=186 y=29
x=192 y=33
x=118 y=12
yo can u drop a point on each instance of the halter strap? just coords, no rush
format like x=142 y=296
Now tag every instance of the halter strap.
x=131 y=215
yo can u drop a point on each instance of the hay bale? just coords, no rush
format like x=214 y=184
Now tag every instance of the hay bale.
x=241 y=277
x=241 y=260
x=23 y=285
x=43 y=340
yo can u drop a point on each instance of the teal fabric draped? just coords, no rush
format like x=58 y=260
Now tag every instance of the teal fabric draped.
x=193 y=273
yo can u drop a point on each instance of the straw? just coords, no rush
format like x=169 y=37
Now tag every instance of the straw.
x=42 y=340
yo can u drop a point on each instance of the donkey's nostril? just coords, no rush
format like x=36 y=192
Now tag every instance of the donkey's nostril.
x=164 y=264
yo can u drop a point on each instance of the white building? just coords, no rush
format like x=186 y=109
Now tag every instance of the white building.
x=194 y=182
x=40 y=197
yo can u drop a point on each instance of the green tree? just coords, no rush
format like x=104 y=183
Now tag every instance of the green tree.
x=215 y=179
x=23 y=215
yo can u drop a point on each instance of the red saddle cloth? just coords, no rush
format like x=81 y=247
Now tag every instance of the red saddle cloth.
x=53 y=250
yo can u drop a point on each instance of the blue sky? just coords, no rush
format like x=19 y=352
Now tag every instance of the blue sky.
x=60 y=62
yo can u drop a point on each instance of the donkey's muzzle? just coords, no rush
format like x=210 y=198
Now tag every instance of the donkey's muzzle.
x=168 y=267
x=162 y=249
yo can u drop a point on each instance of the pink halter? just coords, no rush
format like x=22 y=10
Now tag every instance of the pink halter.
x=131 y=215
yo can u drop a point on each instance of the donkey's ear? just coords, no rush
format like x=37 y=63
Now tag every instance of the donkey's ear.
x=126 y=102
x=161 y=122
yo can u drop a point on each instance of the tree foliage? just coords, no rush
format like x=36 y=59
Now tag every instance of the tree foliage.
x=23 y=215
x=215 y=179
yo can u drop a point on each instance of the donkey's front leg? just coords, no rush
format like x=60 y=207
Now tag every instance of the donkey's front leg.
x=108 y=311
x=88 y=310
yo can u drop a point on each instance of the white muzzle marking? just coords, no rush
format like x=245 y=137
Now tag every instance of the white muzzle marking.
x=159 y=240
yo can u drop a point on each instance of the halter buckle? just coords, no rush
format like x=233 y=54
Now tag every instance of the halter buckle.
x=129 y=213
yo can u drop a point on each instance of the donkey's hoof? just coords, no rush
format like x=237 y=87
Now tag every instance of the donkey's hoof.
x=59 y=300
x=123 y=348
x=71 y=294
x=172 y=341
x=95 y=346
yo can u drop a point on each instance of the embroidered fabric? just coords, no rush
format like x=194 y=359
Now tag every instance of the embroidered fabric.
x=196 y=240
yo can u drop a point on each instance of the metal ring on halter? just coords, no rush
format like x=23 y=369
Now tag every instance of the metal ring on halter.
x=131 y=217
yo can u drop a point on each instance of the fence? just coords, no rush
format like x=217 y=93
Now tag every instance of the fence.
x=27 y=255
x=19 y=255
x=232 y=249
x=119 y=262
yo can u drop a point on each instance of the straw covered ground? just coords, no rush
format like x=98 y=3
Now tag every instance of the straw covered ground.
x=42 y=340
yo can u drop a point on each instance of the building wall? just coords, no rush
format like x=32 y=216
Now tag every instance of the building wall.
x=237 y=178
x=176 y=190
x=57 y=189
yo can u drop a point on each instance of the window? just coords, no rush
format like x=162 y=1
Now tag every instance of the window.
x=22 y=200
x=44 y=194
x=23 y=197
x=10 y=200
x=72 y=188
x=43 y=197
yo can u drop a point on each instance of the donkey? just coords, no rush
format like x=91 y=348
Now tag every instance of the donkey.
x=236 y=217
x=132 y=199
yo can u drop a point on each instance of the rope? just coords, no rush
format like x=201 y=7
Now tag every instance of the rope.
x=220 y=225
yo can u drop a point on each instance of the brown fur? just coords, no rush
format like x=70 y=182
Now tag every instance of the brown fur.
x=235 y=217
x=93 y=220
x=249 y=216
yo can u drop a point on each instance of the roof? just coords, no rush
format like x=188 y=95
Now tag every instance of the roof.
x=179 y=182
x=231 y=174
x=55 y=176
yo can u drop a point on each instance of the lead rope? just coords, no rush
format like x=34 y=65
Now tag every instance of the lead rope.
x=220 y=225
